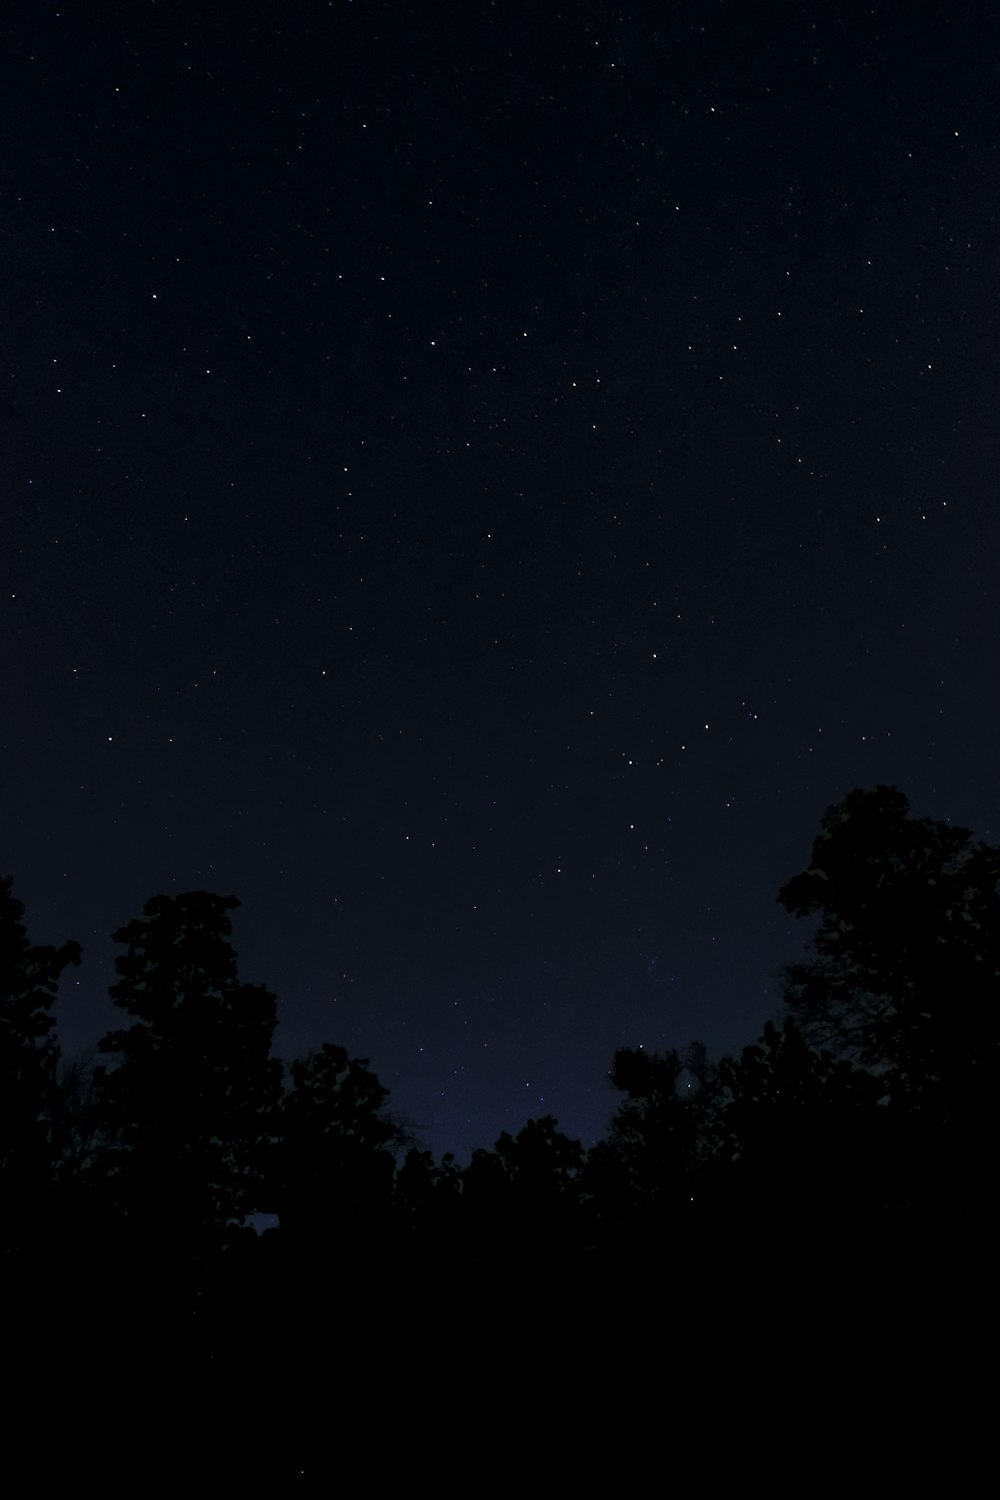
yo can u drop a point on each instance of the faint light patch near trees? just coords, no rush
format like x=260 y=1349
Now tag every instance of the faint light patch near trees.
x=260 y=1223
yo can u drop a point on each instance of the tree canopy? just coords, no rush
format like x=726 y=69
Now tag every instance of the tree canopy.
x=29 y=1057
x=185 y=1111
x=908 y=949
x=868 y=1101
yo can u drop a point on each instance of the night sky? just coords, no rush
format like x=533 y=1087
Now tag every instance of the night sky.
x=478 y=480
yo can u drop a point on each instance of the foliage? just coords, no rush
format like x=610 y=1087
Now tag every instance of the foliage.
x=333 y=1156
x=869 y=1101
x=29 y=1060
x=540 y=1164
x=185 y=1113
x=798 y=1130
x=656 y=1138
x=909 y=950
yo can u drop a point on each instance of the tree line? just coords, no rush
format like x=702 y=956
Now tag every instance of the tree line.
x=863 y=1111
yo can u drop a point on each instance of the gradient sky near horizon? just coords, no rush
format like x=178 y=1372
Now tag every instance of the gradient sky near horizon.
x=477 y=481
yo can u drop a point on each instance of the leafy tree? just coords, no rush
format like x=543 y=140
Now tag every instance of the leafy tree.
x=529 y=1184
x=75 y=1124
x=522 y=1221
x=907 y=975
x=333 y=1157
x=656 y=1137
x=642 y=1187
x=421 y=1182
x=430 y=1231
x=185 y=1114
x=29 y=1059
x=541 y=1165
x=799 y=1133
x=328 y=1178
x=908 y=945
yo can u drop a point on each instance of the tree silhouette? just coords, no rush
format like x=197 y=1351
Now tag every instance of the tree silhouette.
x=907 y=970
x=29 y=1059
x=656 y=1137
x=429 y=1221
x=540 y=1165
x=425 y=1189
x=185 y=1114
x=332 y=1162
x=643 y=1186
x=799 y=1134
x=526 y=1191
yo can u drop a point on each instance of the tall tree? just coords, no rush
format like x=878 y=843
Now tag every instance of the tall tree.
x=908 y=942
x=799 y=1133
x=186 y=1113
x=528 y=1187
x=333 y=1158
x=522 y=1227
x=29 y=1057
x=656 y=1133
x=908 y=967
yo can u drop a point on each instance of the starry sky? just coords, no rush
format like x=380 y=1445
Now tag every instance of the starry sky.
x=478 y=480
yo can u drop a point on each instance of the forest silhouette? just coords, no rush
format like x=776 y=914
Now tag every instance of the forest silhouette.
x=814 y=1170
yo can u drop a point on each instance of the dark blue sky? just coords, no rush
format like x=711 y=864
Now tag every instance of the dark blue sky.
x=478 y=481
